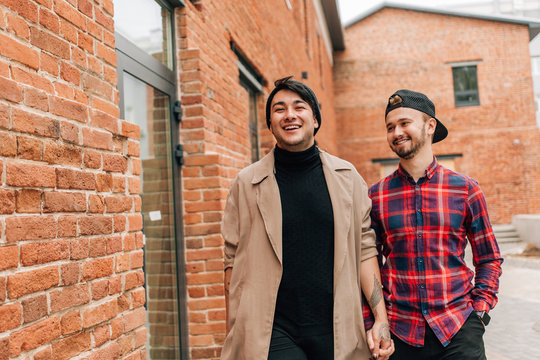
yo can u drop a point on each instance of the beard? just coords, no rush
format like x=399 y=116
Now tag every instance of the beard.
x=415 y=147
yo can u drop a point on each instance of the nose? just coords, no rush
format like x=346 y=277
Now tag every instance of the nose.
x=398 y=131
x=291 y=113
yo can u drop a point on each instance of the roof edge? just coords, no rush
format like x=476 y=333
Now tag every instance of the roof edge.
x=533 y=24
x=333 y=22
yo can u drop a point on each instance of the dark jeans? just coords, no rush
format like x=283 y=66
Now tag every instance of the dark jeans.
x=284 y=347
x=467 y=344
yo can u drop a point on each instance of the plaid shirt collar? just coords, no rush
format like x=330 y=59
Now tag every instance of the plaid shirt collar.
x=430 y=171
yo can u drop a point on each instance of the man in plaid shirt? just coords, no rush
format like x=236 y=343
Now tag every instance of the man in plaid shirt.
x=423 y=215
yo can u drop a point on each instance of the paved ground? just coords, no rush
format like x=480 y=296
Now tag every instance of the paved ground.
x=514 y=331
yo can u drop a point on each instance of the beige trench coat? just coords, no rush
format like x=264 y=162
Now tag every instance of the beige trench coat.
x=252 y=232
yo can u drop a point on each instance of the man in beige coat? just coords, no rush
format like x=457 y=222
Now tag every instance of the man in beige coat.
x=299 y=250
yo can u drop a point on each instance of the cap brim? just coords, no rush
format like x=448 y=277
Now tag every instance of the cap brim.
x=440 y=132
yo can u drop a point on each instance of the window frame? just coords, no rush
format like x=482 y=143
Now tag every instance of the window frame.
x=462 y=103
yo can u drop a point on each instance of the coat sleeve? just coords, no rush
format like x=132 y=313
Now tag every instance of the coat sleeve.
x=363 y=204
x=231 y=226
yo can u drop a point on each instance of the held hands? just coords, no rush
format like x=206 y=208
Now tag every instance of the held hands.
x=379 y=341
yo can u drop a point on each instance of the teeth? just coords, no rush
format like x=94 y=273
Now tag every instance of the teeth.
x=292 y=127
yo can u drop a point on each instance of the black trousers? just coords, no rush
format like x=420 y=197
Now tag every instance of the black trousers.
x=467 y=344
x=284 y=347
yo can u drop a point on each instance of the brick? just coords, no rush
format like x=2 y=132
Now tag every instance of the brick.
x=79 y=248
x=9 y=257
x=35 y=308
x=71 y=346
x=69 y=296
x=7 y=201
x=49 y=20
x=67 y=226
x=44 y=252
x=35 y=124
x=99 y=313
x=9 y=89
x=114 y=163
x=97 y=86
x=18 y=26
x=104 y=19
x=117 y=204
x=106 y=107
x=107 y=54
x=130 y=130
x=24 y=175
x=36 y=99
x=134 y=148
x=134 y=185
x=97 y=139
x=123 y=303
x=135 y=222
x=100 y=289
x=19 y=52
x=4 y=116
x=101 y=334
x=134 y=319
x=104 y=121
x=115 y=285
x=104 y=182
x=138 y=297
x=45 y=354
x=32 y=281
x=29 y=148
x=2 y=289
x=71 y=322
x=98 y=247
x=110 y=351
x=69 y=13
x=49 y=63
x=30 y=228
x=122 y=263
x=70 y=73
x=32 y=79
x=118 y=184
x=56 y=201
x=114 y=244
x=10 y=316
x=129 y=242
x=134 y=279
x=25 y=8
x=95 y=225
x=69 y=273
x=60 y=154
x=69 y=132
x=92 y=159
x=96 y=204
x=70 y=109
x=97 y=268
x=28 y=201
x=49 y=43
x=74 y=179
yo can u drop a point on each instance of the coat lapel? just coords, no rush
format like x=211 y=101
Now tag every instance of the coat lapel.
x=269 y=202
x=340 y=186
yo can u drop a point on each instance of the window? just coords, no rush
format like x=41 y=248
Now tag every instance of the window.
x=251 y=81
x=465 y=85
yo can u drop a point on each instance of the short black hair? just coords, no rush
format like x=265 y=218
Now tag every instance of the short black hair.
x=302 y=90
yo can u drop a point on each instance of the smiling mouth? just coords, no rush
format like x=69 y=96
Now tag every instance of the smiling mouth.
x=401 y=141
x=291 y=127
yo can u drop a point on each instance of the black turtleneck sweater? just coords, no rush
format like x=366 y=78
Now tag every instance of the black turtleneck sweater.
x=305 y=297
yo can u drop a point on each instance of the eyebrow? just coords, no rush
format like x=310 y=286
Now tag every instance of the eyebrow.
x=295 y=102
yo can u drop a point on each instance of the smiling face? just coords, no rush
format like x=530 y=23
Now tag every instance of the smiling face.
x=292 y=121
x=408 y=131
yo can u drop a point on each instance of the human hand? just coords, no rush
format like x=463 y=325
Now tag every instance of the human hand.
x=379 y=341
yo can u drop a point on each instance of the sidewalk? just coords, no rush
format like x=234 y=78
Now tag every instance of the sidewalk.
x=514 y=331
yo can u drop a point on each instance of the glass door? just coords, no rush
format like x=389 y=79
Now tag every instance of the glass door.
x=147 y=87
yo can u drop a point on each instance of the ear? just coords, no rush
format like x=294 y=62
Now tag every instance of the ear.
x=431 y=124
x=315 y=123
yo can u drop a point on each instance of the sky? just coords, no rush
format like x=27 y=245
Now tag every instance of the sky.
x=349 y=9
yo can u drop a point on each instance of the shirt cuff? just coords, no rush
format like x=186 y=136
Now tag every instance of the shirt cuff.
x=481 y=306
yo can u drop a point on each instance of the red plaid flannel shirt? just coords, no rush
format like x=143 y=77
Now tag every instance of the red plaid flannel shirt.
x=422 y=230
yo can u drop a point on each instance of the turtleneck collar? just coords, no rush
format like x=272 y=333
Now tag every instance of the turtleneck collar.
x=296 y=160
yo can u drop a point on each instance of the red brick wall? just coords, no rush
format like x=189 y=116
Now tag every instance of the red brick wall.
x=499 y=139
x=277 y=42
x=70 y=242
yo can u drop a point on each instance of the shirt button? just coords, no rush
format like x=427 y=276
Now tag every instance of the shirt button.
x=420 y=260
x=418 y=210
x=424 y=312
x=419 y=234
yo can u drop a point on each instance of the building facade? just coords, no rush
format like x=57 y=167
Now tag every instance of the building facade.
x=123 y=124
x=476 y=70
